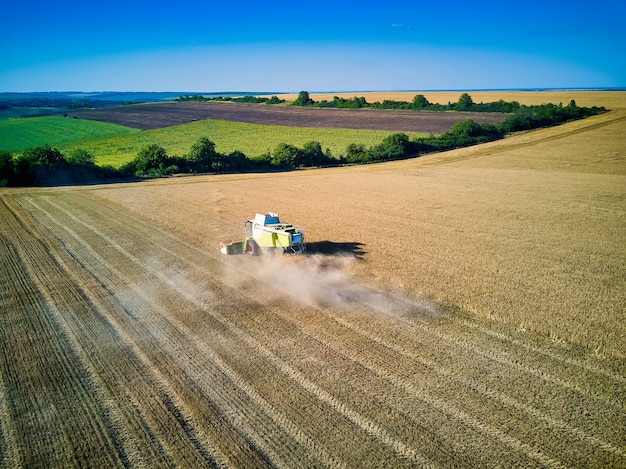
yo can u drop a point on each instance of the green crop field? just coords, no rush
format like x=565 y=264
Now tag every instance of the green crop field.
x=115 y=145
x=19 y=134
x=251 y=139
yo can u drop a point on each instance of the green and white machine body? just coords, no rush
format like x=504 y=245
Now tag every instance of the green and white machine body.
x=266 y=233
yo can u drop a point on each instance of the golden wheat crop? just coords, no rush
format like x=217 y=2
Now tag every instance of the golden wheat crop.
x=608 y=99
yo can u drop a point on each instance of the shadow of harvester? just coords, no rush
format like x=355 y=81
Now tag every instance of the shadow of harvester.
x=330 y=248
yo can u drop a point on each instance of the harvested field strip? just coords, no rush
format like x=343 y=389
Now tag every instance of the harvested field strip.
x=119 y=368
x=583 y=379
x=381 y=366
x=44 y=384
x=487 y=391
x=374 y=362
x=157 y=331
x=590 y=368
x=506 y=364
x=292 y=374
x=609 y=446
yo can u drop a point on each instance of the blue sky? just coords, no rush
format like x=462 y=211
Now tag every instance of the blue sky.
x=314 y=45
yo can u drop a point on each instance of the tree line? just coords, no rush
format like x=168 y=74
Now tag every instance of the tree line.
x=48 y=166
x=521 y=117
x=533 y=115
x=240 y=99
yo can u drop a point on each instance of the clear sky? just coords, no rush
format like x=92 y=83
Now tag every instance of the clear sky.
x=322 y=45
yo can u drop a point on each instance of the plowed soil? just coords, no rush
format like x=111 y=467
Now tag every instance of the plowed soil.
x=154 y=116
x=464 y=309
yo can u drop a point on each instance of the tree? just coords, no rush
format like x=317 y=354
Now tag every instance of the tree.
x=420 y=102
x=356 y=152
x=203 y=156
x=464 y=103
x=236 y=161
x=286 y=156
x=312 y=155
x=151 y=157
x=466 y=128
x=38 y=165
x=81 y=158
x=7 y=168
x=393 y=146
x=522 y=119
x=303 y=99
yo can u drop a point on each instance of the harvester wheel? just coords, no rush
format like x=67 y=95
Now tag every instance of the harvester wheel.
x=252 y=248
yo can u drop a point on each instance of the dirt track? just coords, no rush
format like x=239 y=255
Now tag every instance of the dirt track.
x=154 y=116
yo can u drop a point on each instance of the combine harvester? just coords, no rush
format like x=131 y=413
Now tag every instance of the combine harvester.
x=267 y=234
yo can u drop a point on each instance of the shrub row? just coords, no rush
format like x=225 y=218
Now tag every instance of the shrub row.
x=522 y=117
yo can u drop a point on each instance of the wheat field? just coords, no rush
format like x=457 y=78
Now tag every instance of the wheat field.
x=462 y=309
x=607 y=99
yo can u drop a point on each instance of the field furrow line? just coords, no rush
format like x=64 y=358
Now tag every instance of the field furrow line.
x=66 y=375
x=484 y=390
x=155 y=331
x=323 y=456
x=538 y=350
x=493 y=354
x=362 y=422
x=112 y=374
x=445 y=406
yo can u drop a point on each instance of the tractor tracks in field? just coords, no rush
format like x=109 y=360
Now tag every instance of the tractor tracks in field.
x=537 y=373
x=350 y=344
x=170 y=334
x=367 y=355
x=307 y=385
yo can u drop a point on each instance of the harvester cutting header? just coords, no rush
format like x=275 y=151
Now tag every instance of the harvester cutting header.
x=267 y=234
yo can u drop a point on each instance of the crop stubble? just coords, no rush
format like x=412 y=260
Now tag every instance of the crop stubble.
x=122 y=321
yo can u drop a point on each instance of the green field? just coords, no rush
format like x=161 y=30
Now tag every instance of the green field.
x=252 y=139
x=19 y=134
x=115 y=145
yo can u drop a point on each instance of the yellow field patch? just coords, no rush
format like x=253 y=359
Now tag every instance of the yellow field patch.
x=608 y=99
